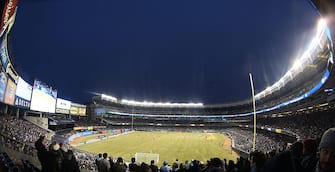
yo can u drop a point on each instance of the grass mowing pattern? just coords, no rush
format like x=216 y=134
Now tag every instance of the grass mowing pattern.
x=169 y=146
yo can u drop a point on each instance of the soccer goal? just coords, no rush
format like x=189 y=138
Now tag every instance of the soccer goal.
x=147 y=157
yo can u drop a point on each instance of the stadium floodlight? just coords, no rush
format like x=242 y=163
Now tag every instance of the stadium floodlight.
x=276 y=86
x=322 y=24
x=268 y=89
x=108 y=98
x=297 y=64
x=303 y=61
x=159 y=104
x=281 y=82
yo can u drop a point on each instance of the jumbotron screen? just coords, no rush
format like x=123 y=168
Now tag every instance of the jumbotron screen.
x=23 y=94
x=43 y=98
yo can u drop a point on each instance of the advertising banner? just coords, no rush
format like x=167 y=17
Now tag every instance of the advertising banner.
x=63 y=111
x=8 y=11
x=74 y=110
x=21 y=103
x=63 y=104
x=3 y=85
x=3 y=52
x=10 y=92
x=12 y=73
x=82 y=111
x=78 y=109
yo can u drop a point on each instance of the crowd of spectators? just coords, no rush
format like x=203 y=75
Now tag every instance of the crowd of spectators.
x=21 y=139
x=265 y=141
x=20 y=135
x=20 y=130
x=85 y=160
x=304 y=125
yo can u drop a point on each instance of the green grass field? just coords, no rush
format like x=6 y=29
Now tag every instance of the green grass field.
x=169 y=146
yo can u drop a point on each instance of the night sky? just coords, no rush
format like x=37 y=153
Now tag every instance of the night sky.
x=158 y=50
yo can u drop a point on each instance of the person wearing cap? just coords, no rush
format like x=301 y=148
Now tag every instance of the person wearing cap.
x=326 y=161
x=54 y=158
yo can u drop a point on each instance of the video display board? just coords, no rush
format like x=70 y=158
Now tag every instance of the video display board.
x=43 y=97
x=23 y=94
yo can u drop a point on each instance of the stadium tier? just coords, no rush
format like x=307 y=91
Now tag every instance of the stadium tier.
x=302 y=83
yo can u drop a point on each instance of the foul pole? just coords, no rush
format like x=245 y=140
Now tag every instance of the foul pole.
x=254 y=107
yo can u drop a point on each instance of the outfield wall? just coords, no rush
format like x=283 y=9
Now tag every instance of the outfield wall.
x=114 y=133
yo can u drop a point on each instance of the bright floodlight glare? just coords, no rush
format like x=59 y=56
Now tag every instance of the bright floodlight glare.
x=297 y=64
x=302 y=61
x=160 y=104
x=322 y=24
x=268 y=89
x=108 y=98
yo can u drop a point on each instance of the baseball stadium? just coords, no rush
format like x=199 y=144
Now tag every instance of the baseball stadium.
x=278 y=125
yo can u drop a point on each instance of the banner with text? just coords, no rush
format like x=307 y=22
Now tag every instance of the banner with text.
x=3 y=85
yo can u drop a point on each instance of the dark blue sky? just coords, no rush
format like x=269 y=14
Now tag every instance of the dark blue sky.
x=177 y=51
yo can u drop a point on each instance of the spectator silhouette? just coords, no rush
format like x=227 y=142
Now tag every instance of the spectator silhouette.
x=69 y=163
x=42 y=152
x=257 y=160
x=165 y=167
x=104 y=163
x=119 y=166
x=309 y=159
x=54 y=158
x=153 y=167
x=133 y=167
x=97 y=161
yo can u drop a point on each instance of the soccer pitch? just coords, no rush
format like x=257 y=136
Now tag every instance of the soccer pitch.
x=169 y=145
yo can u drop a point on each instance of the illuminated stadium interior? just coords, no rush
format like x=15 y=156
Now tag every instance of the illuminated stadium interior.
x=305 y=91
x=315 y=64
